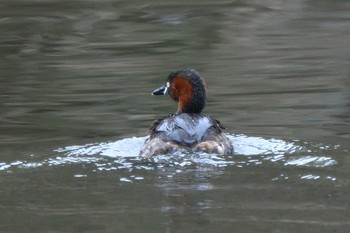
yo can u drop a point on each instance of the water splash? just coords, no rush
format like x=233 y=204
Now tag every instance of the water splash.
x=310 y=161
x=123 y=154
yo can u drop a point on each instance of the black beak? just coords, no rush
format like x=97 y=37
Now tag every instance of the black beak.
x=160 y=90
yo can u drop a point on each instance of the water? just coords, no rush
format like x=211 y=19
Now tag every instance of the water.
x=75 y=83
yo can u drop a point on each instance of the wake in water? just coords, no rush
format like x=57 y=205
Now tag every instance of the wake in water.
x=123 y=154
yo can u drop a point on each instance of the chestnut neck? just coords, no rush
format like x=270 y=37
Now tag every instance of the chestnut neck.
x=189 y=91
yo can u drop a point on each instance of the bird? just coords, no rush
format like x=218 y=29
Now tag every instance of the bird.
x=187 y=130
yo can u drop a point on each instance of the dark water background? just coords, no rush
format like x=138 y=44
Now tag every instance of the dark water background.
x=75 y=80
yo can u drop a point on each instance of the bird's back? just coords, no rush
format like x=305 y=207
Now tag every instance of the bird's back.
x=185 y=128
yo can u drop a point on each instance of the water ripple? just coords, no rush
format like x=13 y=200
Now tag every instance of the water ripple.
x=123 y=154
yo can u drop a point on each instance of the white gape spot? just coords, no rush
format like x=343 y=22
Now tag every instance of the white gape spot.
x=167 y=85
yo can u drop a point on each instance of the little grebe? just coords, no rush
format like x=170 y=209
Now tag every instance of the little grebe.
x=186 y=131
